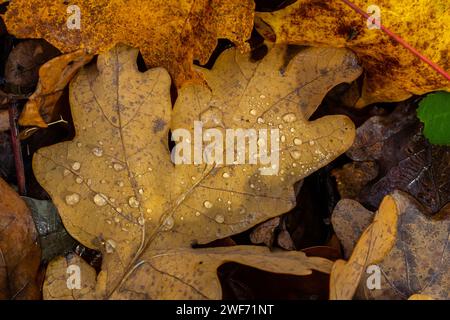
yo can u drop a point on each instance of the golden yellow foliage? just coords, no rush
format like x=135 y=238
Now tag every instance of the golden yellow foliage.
x=392 y=73
x=169 y=33
x=117 y=190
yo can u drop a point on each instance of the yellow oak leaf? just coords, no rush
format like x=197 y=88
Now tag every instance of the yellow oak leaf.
x=118 y=191
x=170 y=34
x=392 y=73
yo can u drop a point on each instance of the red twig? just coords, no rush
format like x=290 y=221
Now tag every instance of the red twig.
x=17 y=149
x=400 y=40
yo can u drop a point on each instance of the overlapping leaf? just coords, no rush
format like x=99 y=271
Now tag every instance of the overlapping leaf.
x=170 y=33
x=392 y=73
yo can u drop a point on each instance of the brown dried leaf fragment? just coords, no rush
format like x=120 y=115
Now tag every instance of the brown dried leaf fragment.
x=53 y=78
x=19 y=251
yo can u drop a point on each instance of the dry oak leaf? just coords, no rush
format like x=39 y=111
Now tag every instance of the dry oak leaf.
x=373 y=245
x=20 y=254
x=118 y=192
x=418 y=263
x=392 y=73
x=170 y=34
x=54 y=76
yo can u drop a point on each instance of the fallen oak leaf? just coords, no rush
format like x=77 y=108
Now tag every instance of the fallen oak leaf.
x=170 y=34
x=392 y=73
x=54 y=76
x=374 y=244
x=160 y=275
x=19 y=251
x=418 y=263
x=108 y=198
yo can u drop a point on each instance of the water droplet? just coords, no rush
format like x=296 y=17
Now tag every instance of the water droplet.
x=252 y=186
x=311 y=143
x=149 y=210
x=110 y=246
x=118 y=166
x=116 y=220
x=219 y=218
x=262 y=96
x=100 y=199
x=120 y=183
x=260 y=120
x=226 y=175
x=103 y=181
x=79 y=180
x=197 y=214
x=76 y=166
x=298 y=141
x=141 y=220
x=295 y=154
x=168 y=223
x=132 y=201
x=207 y=204
x=72 y=199
x=253 y=112
x=289 y=117
x=98 y=152
x=283 y=138
x=79 y=144
x=66 y=172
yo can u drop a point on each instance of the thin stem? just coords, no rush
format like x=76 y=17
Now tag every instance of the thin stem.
x=17 y=149
x=400 y=40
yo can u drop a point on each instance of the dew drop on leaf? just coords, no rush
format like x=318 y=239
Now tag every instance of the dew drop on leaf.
x=100 y=199
x=207 y=204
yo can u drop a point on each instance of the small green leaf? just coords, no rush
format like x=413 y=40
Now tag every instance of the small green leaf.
x=434 y=112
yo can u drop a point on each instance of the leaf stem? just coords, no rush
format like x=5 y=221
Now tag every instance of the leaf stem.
x=400 y=40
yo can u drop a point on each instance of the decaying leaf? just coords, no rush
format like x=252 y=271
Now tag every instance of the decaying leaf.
x=265 y=232
x=349 y=220
x=24 y=61
x=392 y=73
x=53 y=78
x=406 y=160
x=170 y=34
x=373 y=245
x=354 y=176
x=418 y=263
x=118 y=192
x=19 y=252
